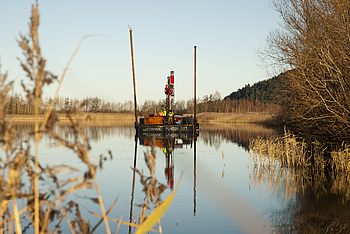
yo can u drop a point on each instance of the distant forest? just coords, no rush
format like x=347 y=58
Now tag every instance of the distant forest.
x=263 y=96
x=18 y=104
x=266 y=91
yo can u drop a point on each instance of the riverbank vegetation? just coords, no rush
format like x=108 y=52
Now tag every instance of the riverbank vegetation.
x=311 y=161
x=128 y=118
x=20 y=105
x=313 y=47
x=38 y=197
x=310 y=174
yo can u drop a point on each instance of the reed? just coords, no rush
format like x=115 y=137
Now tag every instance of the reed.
x=84 y=118
x=19 y=168
x=291 y=164
x=48 y=205
x=248 y=117
x=289 y=150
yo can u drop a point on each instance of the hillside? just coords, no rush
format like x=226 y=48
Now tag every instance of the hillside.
x=269 y=90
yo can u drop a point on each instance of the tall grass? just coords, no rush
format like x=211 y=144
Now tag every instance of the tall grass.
x=298 y=164
x=45 y=191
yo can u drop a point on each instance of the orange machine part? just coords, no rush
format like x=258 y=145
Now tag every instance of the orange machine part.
x=154 y=120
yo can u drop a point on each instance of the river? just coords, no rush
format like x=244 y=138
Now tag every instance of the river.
x=219 y=186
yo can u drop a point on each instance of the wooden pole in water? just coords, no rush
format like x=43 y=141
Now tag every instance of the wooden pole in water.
x=195 y=89
x=133 y=75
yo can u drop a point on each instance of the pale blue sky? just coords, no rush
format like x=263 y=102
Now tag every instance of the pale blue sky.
x=228 y=34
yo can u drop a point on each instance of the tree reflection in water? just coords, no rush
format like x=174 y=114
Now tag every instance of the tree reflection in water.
x=93 y=132
x=318 y=200
x=215 y=134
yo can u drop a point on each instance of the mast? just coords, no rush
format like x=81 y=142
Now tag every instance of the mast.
x=170 y=92
x=133 y=75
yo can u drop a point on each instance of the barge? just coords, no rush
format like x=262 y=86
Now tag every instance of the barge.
x=166 y=121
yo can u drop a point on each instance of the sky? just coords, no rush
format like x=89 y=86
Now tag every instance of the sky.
x=228 y=35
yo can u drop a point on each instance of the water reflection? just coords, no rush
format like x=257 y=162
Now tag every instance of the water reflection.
x=94 y=133
x=133 y=187
x=216 y=134
x=308 y=201
x=318 y=200
x=167 y=144
x=211 y=134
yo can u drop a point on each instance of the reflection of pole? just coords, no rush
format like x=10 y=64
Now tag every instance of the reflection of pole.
x=194 y=177
x=169 y=167
x=133 y=185
x=133 y=75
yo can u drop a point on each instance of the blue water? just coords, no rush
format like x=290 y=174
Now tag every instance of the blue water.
x=220 y=191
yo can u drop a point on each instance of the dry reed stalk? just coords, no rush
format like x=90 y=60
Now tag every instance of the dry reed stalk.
x=34 y=67
x=102 y=207
x=151 y=187
x=4 y=140
x=16 y=215
x=71 y=228
x=41 y=210
x=120 y=220
x=300 y=165
x=48 y=112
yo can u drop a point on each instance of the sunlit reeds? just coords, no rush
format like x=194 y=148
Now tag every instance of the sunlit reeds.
x=38 y=198
x=21 y=172
x=290 y=164
x=246 y=117
x=84 y=118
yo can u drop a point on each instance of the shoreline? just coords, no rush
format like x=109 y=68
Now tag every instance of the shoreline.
x=128 y=118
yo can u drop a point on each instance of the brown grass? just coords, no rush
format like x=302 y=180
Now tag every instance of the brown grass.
x=19 y=169
x=249 y=117
x=295 y=164
x=84 y=118
x=128 y=118
x=46 y=204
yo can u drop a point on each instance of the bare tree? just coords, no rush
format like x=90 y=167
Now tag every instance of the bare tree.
x=314 y=45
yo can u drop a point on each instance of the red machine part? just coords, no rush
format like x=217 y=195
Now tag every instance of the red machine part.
x=168 y=90
x=171 y=80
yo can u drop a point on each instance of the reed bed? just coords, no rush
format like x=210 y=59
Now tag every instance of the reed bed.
x=104 y=119
x=290 y=164
x=36 y=198
x=290 y=151
x=249 y=117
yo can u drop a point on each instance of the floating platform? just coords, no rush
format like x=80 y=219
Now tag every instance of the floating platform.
x=159 y=125
x=150 y=129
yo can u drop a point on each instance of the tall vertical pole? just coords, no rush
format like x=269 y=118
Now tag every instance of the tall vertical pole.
x=195 y=89
x=133 y=75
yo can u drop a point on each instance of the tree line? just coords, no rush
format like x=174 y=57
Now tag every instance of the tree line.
x=18 y=104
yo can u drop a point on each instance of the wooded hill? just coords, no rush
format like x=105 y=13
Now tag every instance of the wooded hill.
x=267 y=91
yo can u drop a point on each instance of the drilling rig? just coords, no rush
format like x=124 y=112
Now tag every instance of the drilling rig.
x=166 y=120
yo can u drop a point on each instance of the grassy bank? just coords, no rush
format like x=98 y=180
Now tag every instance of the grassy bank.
x=86 y=118
x=128 y=118
x=248 y=117
x=293 y=152
x=302 y=163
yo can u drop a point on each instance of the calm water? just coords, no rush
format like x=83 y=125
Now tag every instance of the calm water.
x=222 y=189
